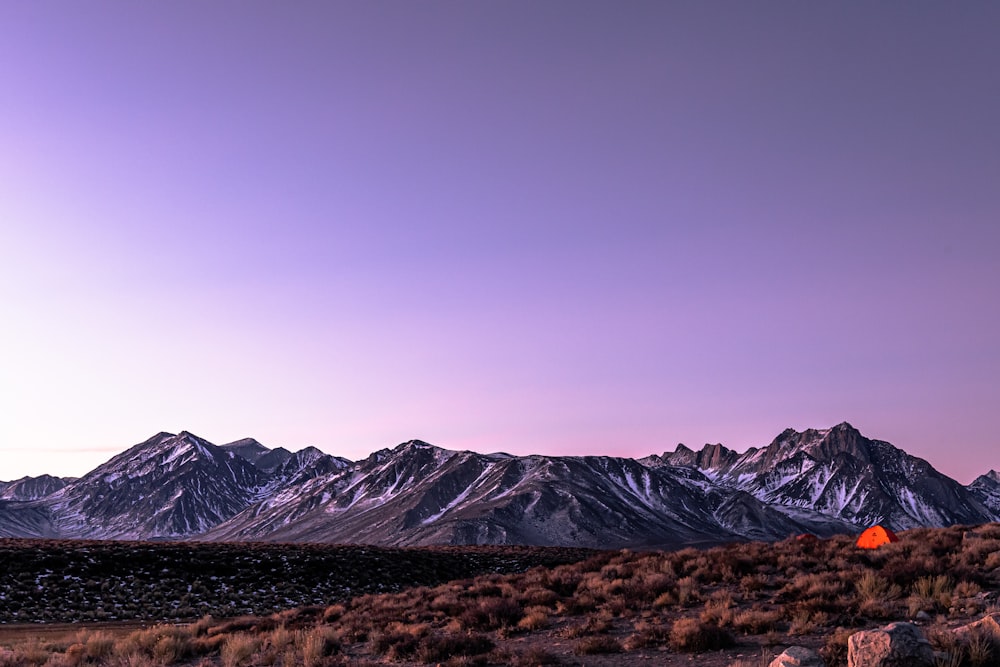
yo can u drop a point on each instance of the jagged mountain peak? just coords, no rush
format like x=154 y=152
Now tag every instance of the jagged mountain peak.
x=421 y=450
x=312 y=454
x=163 y=444
x=246 y=447
x=31 y=488
x=821 y=444
x=715 y=456
x=169 y=485
x=989 y=480
x=986 y=489
x=192 y=439
x=415 y=445
x=251 y=450
x=710 y=457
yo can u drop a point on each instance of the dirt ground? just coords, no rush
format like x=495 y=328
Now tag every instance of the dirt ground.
x=13 y=633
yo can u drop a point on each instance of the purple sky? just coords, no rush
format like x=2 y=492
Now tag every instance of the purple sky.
x=536 y=227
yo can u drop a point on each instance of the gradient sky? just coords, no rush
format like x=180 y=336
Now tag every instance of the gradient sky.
x=536 y=227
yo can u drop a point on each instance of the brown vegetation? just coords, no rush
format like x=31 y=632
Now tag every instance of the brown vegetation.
x=729 y=601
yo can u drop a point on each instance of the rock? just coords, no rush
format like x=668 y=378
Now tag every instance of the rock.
x=895 y=645
x=923 y=617
x=988 y=626
x=798 y=656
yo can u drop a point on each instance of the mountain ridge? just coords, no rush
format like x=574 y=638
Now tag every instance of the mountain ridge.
x=181 y=486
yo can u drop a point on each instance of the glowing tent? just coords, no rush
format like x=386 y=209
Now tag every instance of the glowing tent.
x=875 y=537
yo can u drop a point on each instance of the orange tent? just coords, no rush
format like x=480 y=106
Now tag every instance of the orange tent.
x=875 y=537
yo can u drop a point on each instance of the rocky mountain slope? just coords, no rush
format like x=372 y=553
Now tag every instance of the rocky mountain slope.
x=168 y=486
x=31 y=488
x=986 y=489
x=181 y=486
x=840 y=473
x=420 y=494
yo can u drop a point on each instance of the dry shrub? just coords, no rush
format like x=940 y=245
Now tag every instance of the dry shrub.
x=565 y=582
x=398 y=640
x=447 y=603
x=879 y=609
x=667 y=599
x=534 y=620
x=539 y=597
x=436 y=647
x=317 y=644
x=333 y=613
x=816 y=586
x=982 y=649
x=593 y=626
x=206 y=645
x=172 y=648
x=691 y=635
x=647 y=634
x=933 y=587
x=834 y=652
x=254 y=624
x=202 y=625
x=598 y=644
x=8 y=658
x=873 y=586
x=805 y=622
x=237 y=649
x=756 y=621
x=278 y=639
x=718 y=611
x=967 y=589
x=58 y=660
x=164 y=644
x=753 y=583
x=491 y=614
x=687 y=590
x=75 y=654
x=931 y=593
x=650 y=585
x=99 y=645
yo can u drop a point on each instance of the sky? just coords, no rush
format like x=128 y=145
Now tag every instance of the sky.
x=533 y=227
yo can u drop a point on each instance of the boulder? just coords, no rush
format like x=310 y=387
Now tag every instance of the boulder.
x=798 y=656
x=895 y=645
x=987 y=626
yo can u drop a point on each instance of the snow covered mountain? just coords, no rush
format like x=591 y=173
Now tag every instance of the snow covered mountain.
x=420 y=494
x=183 y=487
x=986 y=489
x=257 y=454
x=31 y=488
x=168 y=486
x=841 y=473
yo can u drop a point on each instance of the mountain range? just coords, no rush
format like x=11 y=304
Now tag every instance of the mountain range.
x=180 y=486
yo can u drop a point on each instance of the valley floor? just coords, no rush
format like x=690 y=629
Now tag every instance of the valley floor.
x=736 y=605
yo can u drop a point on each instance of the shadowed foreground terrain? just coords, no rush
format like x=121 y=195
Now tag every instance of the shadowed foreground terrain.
x=69 y=581
x=736 y=605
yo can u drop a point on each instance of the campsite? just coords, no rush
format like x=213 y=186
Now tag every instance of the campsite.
x=735 y=605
